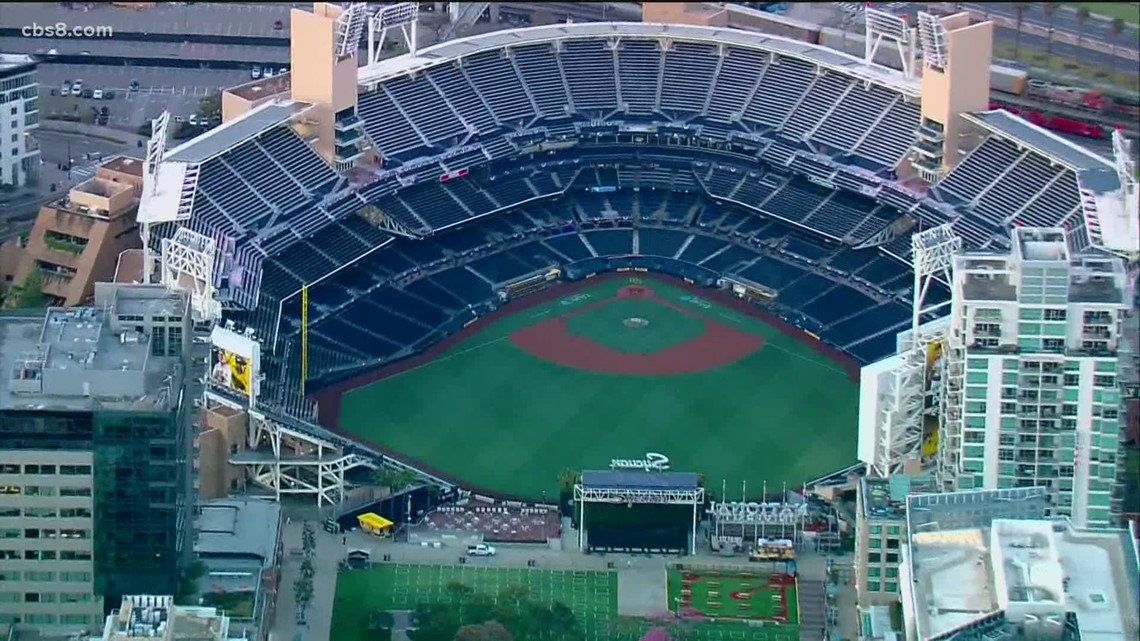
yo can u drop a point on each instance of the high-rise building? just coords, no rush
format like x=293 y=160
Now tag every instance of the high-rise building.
x=96 y=484
x=19 y=115
x=880 y=528
x=1030 y=388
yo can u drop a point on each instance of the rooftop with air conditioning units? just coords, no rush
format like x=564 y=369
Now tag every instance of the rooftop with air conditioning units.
x=125 y=352
x=157 y=618
x=967 y=572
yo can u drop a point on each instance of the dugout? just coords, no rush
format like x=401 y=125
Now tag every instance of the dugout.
x=638 y=511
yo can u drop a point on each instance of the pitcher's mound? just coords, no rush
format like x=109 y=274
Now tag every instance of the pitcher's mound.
x=635 y=323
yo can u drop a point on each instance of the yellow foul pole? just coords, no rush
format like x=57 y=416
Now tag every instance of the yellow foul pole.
x=304 y=336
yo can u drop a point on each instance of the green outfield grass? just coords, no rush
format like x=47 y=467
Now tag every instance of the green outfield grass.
x=592 y=595
x=504 y=421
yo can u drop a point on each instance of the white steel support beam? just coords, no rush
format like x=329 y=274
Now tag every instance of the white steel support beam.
x=583 y=495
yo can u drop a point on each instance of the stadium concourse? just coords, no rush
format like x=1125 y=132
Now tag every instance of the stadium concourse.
x=570 y=150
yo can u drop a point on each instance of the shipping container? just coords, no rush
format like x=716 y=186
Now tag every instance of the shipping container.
x=1008 y=80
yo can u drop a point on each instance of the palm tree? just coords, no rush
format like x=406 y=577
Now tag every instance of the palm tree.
x=1083 y=14
x=1020 y=8
x=1050 y=9
x=1117 y=29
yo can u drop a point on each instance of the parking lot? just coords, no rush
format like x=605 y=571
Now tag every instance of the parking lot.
x=178 y=90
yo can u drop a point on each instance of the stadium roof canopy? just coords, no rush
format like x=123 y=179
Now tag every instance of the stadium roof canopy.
x=231 y=134
x=453 y=49
x=627 y=480
x=1050 y=145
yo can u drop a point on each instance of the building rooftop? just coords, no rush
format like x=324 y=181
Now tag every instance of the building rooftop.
x=129 y=268
x=156 y=618
x=238 y=528
x=125 y=165
x=1033 y=571
x=989 y=558
x=13 y=61
x=257 y=89
x=1093 y=278
x=90 y=357
x=885 y=498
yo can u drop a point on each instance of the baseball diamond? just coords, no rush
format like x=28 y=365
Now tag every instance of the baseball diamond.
x=703 y=381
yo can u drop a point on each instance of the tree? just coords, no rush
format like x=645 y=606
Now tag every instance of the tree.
x=381 y=621
x=395 y=479
x=210 y=106
x=31 y=294
x=308 y=539
x=489 y=631
x=1083 y=14
x=302 y=593
x=1117 y=29
x=1020 y=8
x=567 y=478
x=1050 y=9
x=307 y=569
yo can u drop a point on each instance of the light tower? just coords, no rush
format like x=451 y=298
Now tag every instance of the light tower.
x=151 y=203
x=885 y=28
x=401 y=15
x=895 y=388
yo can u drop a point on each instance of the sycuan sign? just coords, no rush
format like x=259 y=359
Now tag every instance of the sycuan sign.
x=653 y=462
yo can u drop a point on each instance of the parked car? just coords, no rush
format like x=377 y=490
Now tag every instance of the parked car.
x=193 y=120
x=481 y=549
x=278 y=25
x=88 y=93
x=282 y=71
x=255 y=73
x=97 y=94
x=65 y=89
x=267 y=72
x=77 y=87
x=108 y=94
x=134 y=86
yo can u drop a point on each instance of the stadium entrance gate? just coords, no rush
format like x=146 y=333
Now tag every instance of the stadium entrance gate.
x=638 y=511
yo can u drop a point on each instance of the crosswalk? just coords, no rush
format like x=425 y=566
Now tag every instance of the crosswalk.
x=857 y=7
x=83 y=172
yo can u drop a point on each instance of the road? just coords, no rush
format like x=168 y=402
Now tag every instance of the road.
x=178 y=90
x=226 y=19
x=86 y=154
x=149 y=50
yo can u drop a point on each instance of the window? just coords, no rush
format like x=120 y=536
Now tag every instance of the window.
x=74 y=597
x=873 y=586
x=75 y=577
x=75 y=470
x=9 y=575
x=75 y=491
x=873 y=557
x=10 y=533
x=41 y=576
x=39 y=490
x=9 y=597
x=40 y=619
x=39 y=469
x=10 y=490
x=10 y=512
x=31 y=597
x=74 y=533
x=75 y=619
x=74 y=513
x=891 y=586
x=40 y=512
x=74 y=555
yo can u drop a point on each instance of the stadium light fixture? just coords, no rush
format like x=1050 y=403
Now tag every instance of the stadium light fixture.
x=400 y=15
x=350 y=29
x=887 y=28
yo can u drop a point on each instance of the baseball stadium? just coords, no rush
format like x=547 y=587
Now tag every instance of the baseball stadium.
x=595 y=246
x=550 y=247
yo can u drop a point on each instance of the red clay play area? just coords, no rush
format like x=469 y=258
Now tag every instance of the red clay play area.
x=719 y=344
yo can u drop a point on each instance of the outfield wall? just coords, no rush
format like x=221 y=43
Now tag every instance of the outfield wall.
x=329 y=398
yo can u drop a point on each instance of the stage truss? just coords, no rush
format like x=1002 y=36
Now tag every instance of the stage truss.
x=583 y=495
x=780 y=519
